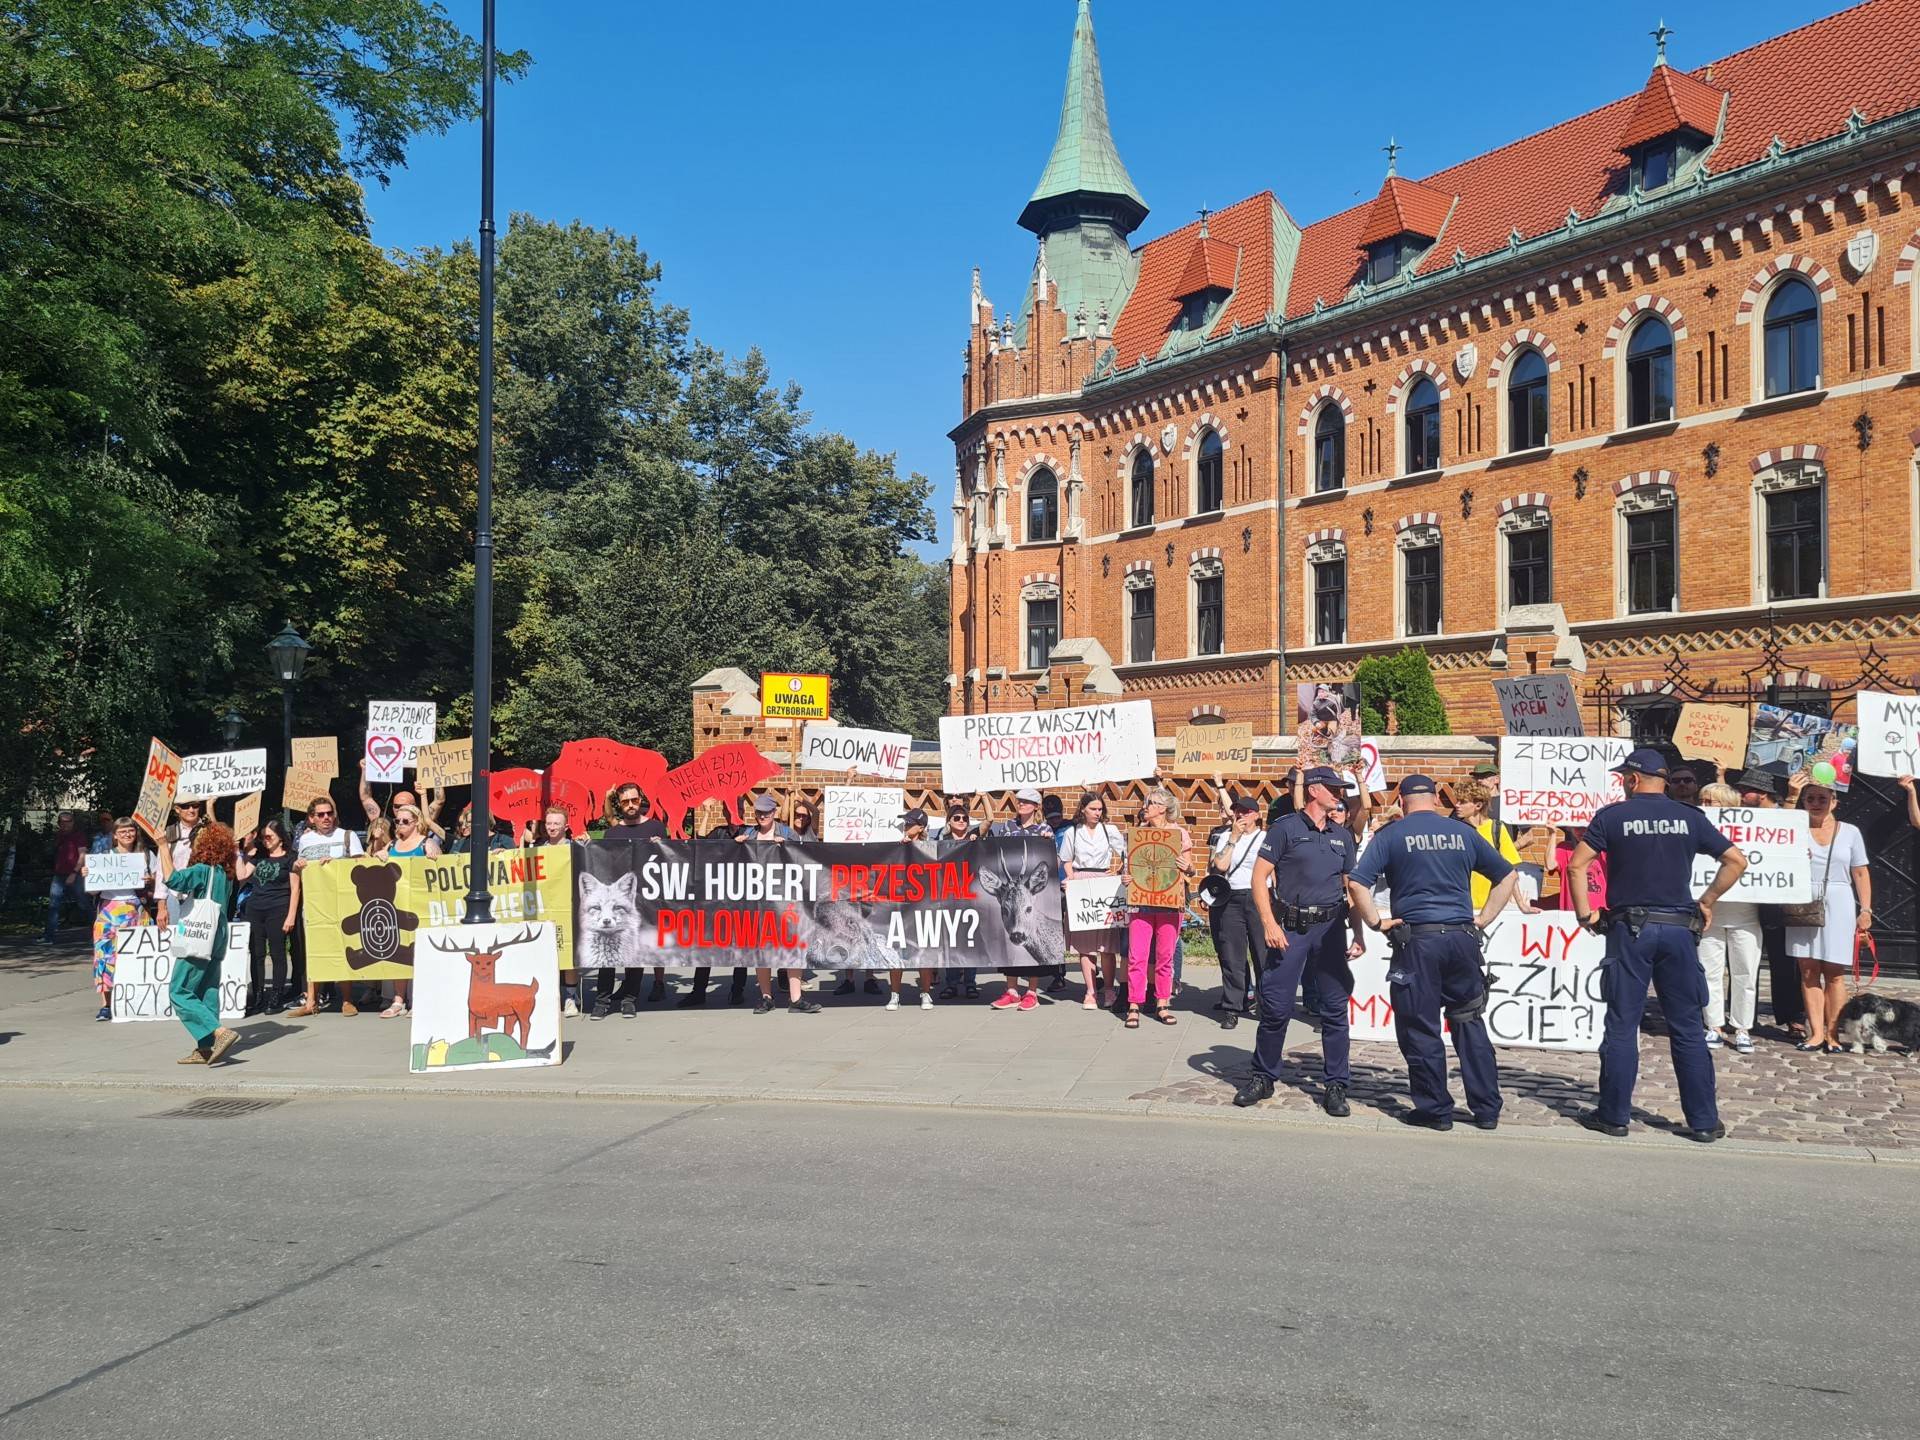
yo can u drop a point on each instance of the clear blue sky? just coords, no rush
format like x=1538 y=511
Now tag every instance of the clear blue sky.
x=819 y=179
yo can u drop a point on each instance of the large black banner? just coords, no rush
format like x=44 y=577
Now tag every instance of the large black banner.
x=990 y=903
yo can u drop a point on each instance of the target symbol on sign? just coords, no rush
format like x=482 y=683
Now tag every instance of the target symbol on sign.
x=379 y=930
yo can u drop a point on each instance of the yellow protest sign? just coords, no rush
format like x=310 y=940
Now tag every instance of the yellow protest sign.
x=1712 y=732
x=246 y=813
x=299 y=787
x=320 y=752
x=362 y=918
x=449 y=762
x=794 y=697
x=1153 y=867
x=1212 y=750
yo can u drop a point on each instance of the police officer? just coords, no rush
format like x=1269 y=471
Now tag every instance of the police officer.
x=1652 y=924
x=1429 y=861
x=1300 y=891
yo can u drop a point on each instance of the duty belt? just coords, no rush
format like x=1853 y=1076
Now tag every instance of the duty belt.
x=1449 y=927
x=1638 y=917
x=1303 y=917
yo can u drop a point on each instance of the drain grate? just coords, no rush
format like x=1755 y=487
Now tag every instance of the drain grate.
x=216 y=1107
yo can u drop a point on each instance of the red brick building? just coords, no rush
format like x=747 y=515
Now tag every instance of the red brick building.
x=1646 y=382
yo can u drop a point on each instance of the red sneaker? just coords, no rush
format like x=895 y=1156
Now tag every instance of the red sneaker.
x=1005 y=1000
x=1029 y=1001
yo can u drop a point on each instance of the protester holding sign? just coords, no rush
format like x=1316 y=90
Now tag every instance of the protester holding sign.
x=913 y=826
x=1026 y=821
x=273 y=909
x=321 y=841
x=1154 y=930
x=118 y=908
x=962 y=979
x=1237 y=935
x=1825 y=934
x=1088 y=847
x=202 y=895
x=1730 y=946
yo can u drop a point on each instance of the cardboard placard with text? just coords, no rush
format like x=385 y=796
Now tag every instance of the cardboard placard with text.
x=246 y=813
x=860 y=814
x=1153 y=867
x=1539 y=705
x=395 y=730
x=317 y=752
x=216 y=775
x=1889 y=733
x=883 y=754
x=1712 y=732
x=157 y=786
x=300 y=786
x=1212 y=750
x=1078 y=745
x=1558 y=780
x=444 y=764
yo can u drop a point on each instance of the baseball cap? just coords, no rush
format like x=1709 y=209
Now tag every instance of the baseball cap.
x=1643 y=761
x=1245 y=805
x=1324 y=775
x=765 y=805
x=1418 y=785
x=913 y=817
x=1030 y=795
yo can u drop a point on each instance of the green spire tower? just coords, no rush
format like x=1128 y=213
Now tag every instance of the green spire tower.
x=1085 y=205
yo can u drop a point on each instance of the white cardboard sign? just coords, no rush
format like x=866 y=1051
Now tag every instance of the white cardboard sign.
x=1096 y=902
x=1373 y=771
x=1889 y=734
x=1539 y=705
x=1779 y=864
x=882 y=754
x=861 y=814
x=1555 y=780
x=1545 y=991
x=485 y=996
x=221 y=773
x=395 y=730
x=143 y=972
x=117 y=871
x=1083 y=745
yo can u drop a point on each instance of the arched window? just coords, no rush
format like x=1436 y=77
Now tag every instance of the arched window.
x=1043 y=505
x=1423 y=427
x=1330 y=449
x=1792 y=339
x=1527 y=407
x=1141 y=508
x=1209 y=479
x=1650 y=373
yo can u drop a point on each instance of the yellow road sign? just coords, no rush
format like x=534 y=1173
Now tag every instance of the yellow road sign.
x=794 y=697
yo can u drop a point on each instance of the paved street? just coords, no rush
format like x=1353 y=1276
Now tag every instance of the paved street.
x=1058 y=1057
x=377 y=1266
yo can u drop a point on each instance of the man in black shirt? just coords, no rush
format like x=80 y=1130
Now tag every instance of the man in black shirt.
x=631 y=822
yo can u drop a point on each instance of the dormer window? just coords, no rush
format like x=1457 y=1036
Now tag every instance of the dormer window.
x=1383 y=260
x=1406 y=219
x=1656 y=165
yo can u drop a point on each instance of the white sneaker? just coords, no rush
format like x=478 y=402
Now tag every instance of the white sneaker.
x=926 y=1000
x=893 y=1001
x=1743 y=1042
x=1715 y=1040
x=570 y=1008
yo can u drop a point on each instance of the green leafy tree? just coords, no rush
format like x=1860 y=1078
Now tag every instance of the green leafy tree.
x=1407 y=680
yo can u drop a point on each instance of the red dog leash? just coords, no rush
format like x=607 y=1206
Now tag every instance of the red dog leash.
x=1866 y=943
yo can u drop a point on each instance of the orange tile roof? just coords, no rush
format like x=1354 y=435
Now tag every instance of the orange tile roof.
x=1210 y=266
x=1801 y=86
x=1155 y=302
x=1671 y=100
x=1404 y=207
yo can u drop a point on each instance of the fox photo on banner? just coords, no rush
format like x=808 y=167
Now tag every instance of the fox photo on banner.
x=988 y=904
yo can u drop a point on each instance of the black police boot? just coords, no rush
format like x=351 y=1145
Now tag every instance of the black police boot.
x=1707 y=1137
x=1425 y=1121
x=1592 y=1121
x=1486 y=1122
x=1257 y=1088
x=1335 y=1101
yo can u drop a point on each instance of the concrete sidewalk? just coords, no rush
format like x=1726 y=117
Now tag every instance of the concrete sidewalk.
x=1059 y=1057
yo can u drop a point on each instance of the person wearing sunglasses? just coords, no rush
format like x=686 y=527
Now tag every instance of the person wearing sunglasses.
x=321 y=841
x=964 y=979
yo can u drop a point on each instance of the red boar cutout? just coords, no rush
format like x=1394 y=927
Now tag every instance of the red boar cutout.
x=725 y=773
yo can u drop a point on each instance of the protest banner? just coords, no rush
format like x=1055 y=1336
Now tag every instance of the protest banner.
x=317 y=752
x=1096 y=902
x=362 y=919
x=395 y=730
x=1212 y=750
x=1552 y=780
x=246 y=813
x=1544 y=992
x=1539 y=705
x=1712 y=732
x=1328 y=720
x=1889 y=734
x=157 y=785
x=115 y=871
x=1153 y=867
x=1080 y=746
x=883 y=754
x=486 y=995
x=221 y=773
x=300 y=786
x=727 y=773
x=143 y=972
x=860 y=814
x=1779 y=865
x=794 y=697
x=444 y=764
x=598 y=765
x=1785 y=742
x=842 y=907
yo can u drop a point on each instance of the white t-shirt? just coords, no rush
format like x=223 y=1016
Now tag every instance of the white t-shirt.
x=342 y=844
x=1091 y=850
x=1244 y=851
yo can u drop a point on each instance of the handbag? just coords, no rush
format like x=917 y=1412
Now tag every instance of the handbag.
x=194 y=929
x=1812 y=914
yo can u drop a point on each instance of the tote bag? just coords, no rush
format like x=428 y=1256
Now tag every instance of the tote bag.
x=194 y=928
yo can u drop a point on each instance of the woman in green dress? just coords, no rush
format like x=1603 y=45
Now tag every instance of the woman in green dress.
x=208 y=875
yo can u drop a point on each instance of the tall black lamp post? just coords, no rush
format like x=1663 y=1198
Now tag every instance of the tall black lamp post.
x=230 y=724
x=289 y=653
x=479 y=895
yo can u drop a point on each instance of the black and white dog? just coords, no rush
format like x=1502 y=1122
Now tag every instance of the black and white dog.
x=1879 y=1021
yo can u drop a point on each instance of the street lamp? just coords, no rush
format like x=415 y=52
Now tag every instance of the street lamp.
x=230 y=724
x=479 y=910
x=289 y=653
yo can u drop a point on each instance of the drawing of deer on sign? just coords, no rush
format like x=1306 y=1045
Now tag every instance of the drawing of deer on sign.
x=485 y=995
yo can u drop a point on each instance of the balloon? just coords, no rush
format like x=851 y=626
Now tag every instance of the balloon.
x=1824 y=773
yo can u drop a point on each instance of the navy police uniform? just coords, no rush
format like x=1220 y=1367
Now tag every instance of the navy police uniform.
x=1650 y=841
x=1310 y=868
x=1428 y=860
